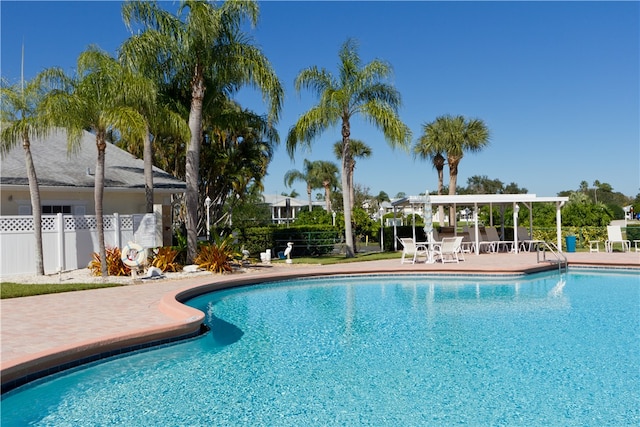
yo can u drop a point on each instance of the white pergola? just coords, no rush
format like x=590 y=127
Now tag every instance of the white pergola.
x=491 y=200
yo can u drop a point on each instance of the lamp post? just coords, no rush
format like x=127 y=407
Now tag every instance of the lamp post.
x=207 y=204
x=381 y=212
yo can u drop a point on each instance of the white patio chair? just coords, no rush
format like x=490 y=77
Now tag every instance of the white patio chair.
x=449 y=249
x=614 y=235
x=409 y=248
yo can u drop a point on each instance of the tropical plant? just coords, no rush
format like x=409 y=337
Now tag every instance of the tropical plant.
x=357 y=90
x=99 y=99
x=115 y=266
x=202 y=47
x=358 y=149
x=166 y=259
x=217 y=257
x=20 y=124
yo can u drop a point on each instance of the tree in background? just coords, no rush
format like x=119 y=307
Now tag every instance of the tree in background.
x=307 y=175
x=358 y=90
x=456 y=135
x=327 y=174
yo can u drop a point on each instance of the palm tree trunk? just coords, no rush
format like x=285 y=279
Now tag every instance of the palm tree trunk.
x=36 y=210
x=193 y=164
x=453 y=182
x=352 y=192
x=99 y=198
x=148 y=171
x=327 y=195
x=440 y=185
x=309 y=194
x=346 y=192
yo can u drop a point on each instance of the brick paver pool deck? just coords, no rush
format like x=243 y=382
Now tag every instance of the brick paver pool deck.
x=41 y=333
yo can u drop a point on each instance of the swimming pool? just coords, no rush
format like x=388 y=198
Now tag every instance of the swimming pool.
x=378 y=350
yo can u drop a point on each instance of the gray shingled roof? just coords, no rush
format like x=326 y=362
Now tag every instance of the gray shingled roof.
x=56 y=168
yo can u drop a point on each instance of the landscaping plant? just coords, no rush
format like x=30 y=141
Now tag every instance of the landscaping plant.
x=115 y=266
x=165 y=259
x=217 y=257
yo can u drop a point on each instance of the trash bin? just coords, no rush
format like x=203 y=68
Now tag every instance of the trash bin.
x=571 y=243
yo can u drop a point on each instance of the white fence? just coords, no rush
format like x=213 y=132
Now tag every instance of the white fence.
x=68 y=241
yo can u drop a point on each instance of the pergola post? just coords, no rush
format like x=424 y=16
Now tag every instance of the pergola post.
x=559 y=206
x=516 y=209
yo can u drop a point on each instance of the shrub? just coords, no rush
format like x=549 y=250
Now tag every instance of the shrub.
x=115 y=266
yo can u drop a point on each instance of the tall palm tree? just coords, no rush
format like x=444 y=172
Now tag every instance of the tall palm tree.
x=99 y=99
x=327 y=174
x=306 y=175
x=205 y=49
x=20 y=124
x=455 y=135
x=356 y=90
x=358 y=150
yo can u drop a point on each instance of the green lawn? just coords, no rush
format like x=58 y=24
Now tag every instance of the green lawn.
x=15 y=290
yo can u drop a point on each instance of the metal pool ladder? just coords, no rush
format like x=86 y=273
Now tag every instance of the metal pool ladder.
x=560 y=259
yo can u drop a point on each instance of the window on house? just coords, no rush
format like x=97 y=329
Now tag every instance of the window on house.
x=55 y=209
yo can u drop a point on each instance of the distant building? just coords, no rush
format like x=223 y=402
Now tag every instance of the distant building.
x=285 y=209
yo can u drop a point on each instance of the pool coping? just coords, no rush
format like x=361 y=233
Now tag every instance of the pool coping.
x=183 y=321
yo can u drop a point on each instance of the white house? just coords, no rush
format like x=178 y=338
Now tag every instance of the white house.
x=66 y=180
x=66 y=183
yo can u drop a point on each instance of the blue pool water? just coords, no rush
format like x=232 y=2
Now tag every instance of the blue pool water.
x=380 y=351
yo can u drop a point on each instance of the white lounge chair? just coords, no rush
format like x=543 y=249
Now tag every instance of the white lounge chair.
x=525 y=241
x=493 y=237
x=483 y=244
x=409 y=248
x=449 y=249
x=614 y=235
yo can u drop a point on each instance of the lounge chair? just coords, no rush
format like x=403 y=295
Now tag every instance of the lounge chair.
x=493 y=237
x=410 y=248
x=483 y=244
x=449 y=249
x=525 y=241
x=614 y=235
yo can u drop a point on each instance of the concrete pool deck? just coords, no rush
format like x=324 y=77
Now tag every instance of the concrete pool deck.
x=40 y=334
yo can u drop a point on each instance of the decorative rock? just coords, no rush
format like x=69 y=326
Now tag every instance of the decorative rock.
x=190 y=268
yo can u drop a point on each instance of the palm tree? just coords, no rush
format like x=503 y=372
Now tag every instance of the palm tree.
x=205 y=50
x=357 y=90
x=453 y=135
x=307 y=176
x=431 y=145
x=99 y=99
x=358 y=150
x=20 y=124
x=327 y=174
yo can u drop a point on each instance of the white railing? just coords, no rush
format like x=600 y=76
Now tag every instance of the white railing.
x=68 y=241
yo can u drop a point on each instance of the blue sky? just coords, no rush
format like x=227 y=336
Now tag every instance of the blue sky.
x=557 y=83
